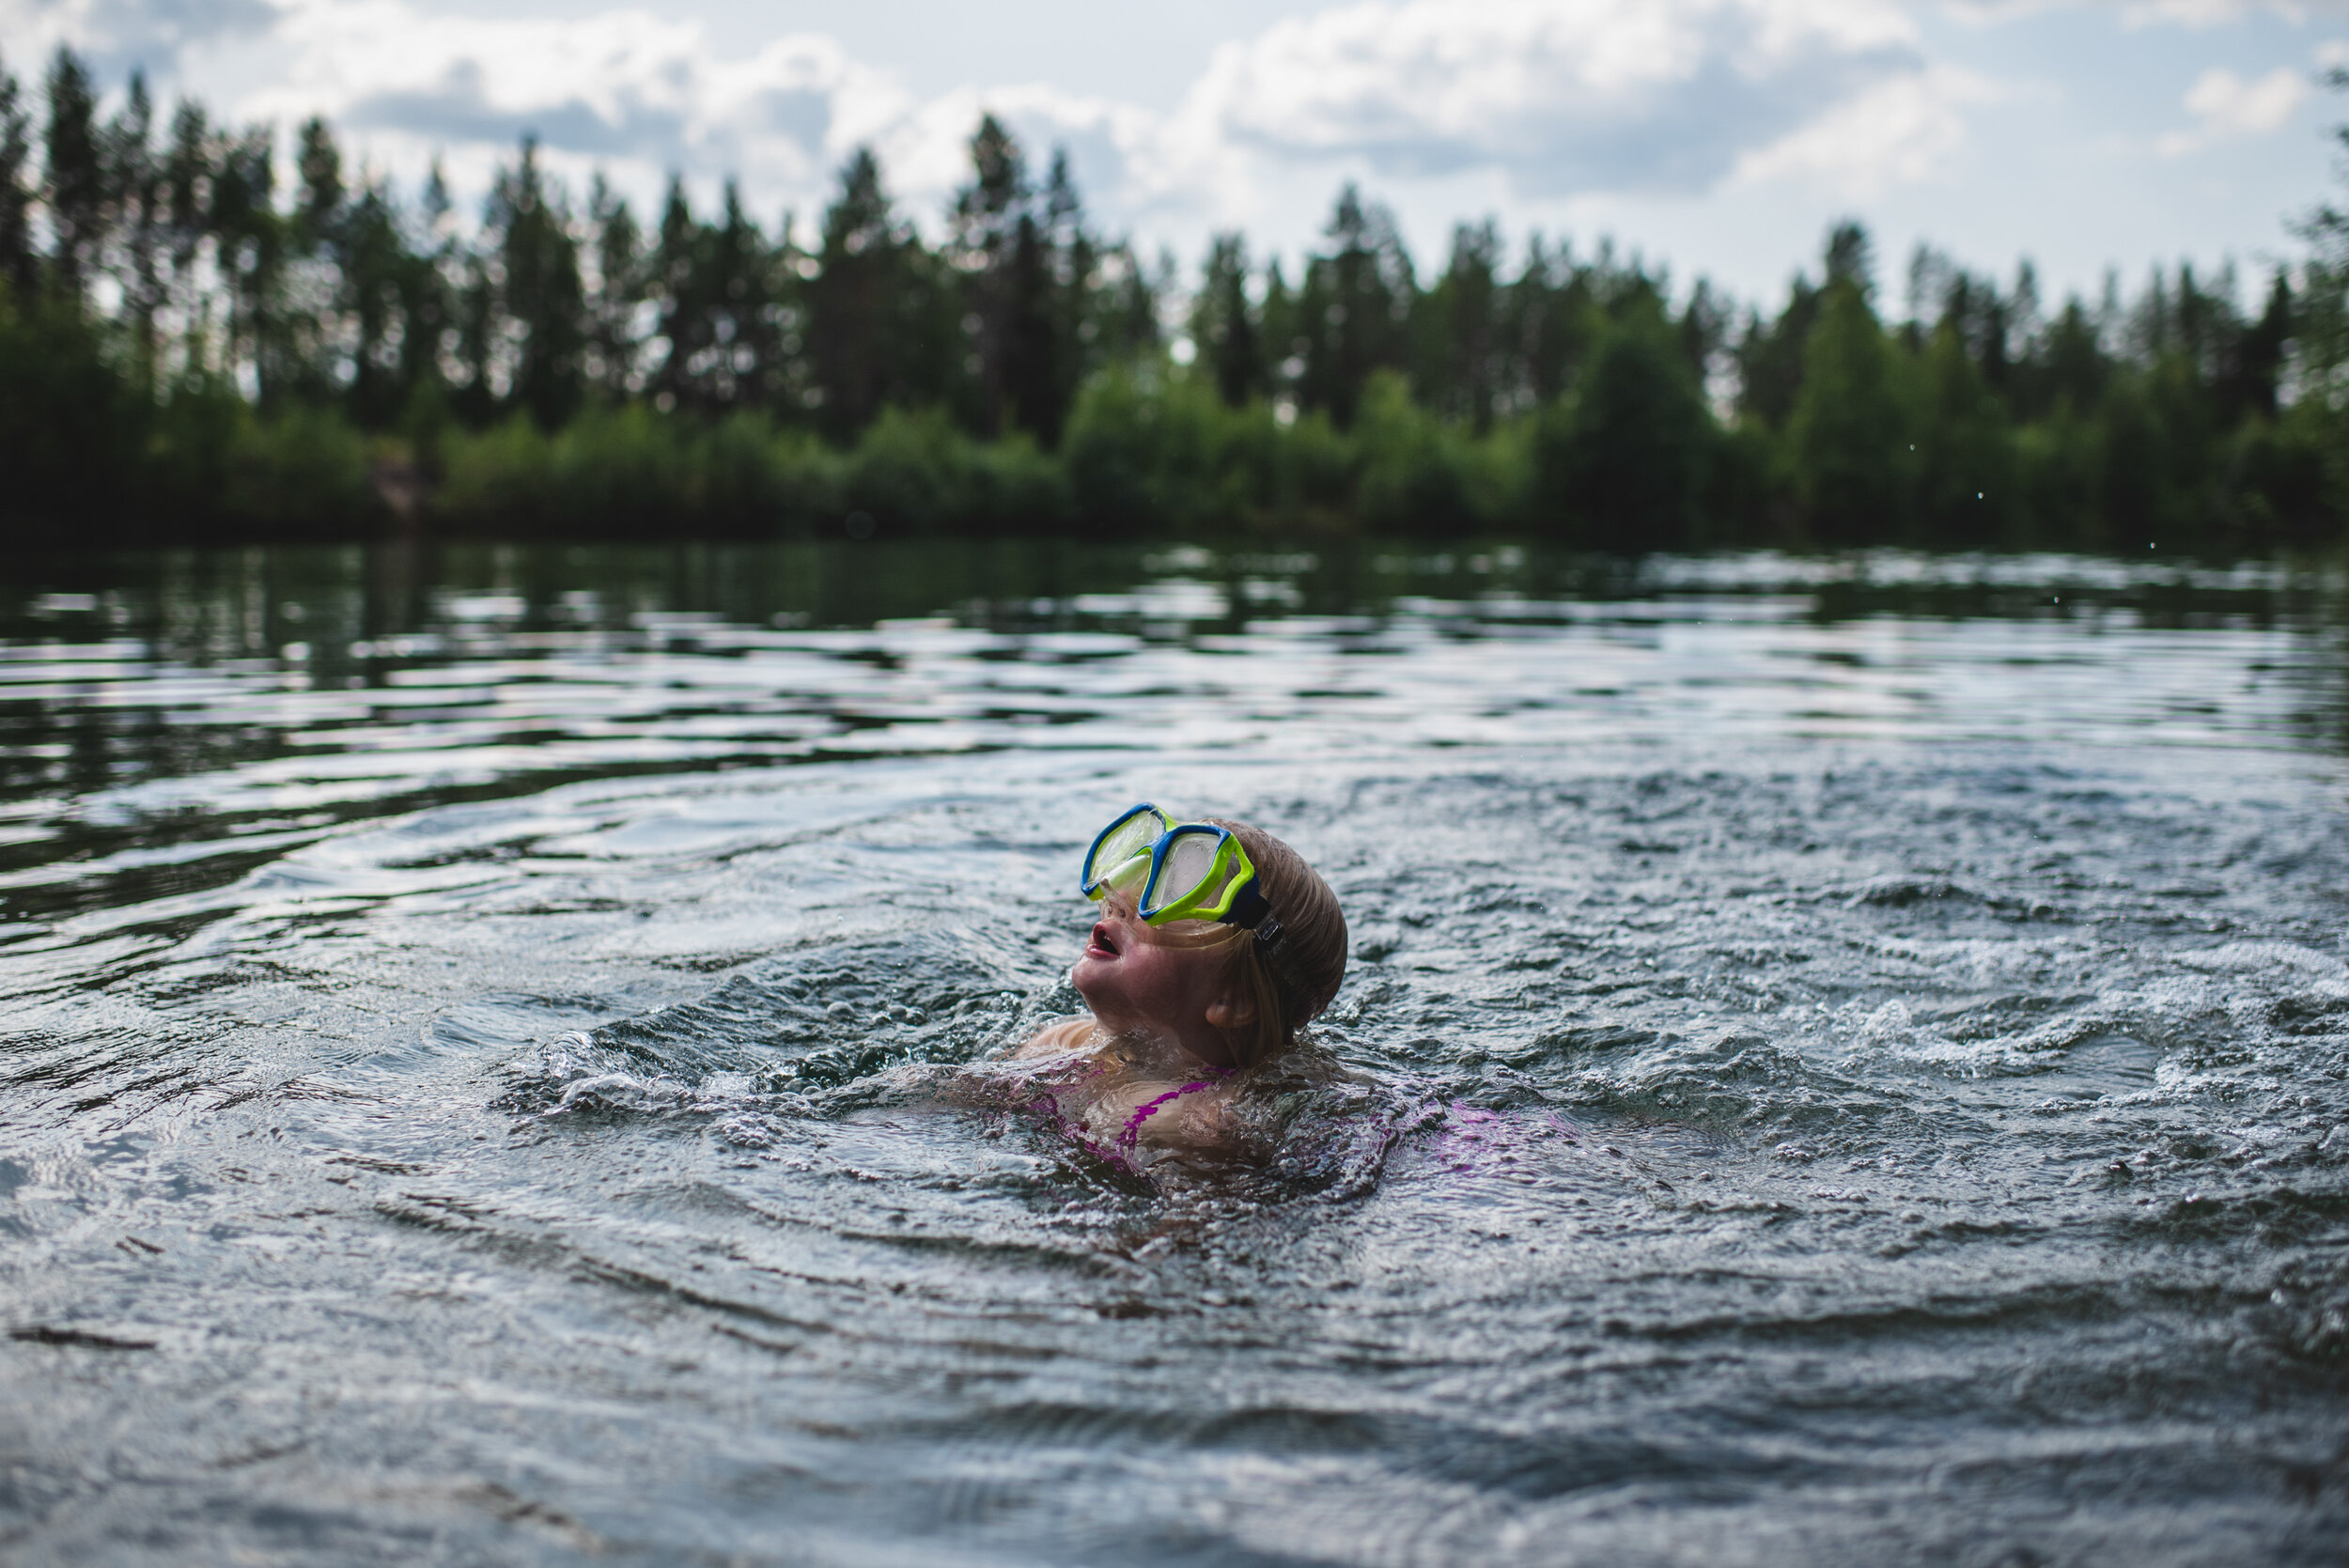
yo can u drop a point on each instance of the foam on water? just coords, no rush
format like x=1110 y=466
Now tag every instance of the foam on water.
x=500 y=1085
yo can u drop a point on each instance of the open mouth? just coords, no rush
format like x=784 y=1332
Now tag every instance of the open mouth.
x=1104 y=944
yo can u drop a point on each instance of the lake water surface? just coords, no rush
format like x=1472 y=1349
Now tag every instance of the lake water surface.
x=1849 y=1061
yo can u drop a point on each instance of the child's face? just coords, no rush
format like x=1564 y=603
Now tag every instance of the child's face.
x=1151 y=980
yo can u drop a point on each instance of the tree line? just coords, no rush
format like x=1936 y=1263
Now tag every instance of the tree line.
x=194 y=344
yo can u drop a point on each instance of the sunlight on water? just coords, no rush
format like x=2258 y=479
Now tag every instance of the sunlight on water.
x=1847 y=1060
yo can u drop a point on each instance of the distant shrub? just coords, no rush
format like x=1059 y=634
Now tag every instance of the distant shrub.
x=71 y=429
x=1623 y=462
x=918 y=474
x=305 y=473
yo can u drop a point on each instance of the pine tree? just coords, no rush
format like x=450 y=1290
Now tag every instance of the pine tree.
x=428 y=305
x=473 y=326
x=1964 y=457
x=1057 y=331
x=1223 y=323
x=377 y=268
x=1459 y=355
x=1704 y=326
x=19 y=267
x=134 y=188
x=1358 y=306
x=858 y=322
x=1848 y=431
x=75 y=186
x=742 y=295
x=984 y=242
x=1285 y=340
x=677 y=275
x=251 y=244
x=541 y=296
x=1549 y=319
x=612 y=350
x=187 y=224
x=318 y=261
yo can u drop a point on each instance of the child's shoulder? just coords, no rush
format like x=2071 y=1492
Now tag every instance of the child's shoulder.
x=1069 y=1035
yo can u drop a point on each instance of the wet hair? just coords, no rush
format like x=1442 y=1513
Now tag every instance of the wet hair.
x=1289 y=966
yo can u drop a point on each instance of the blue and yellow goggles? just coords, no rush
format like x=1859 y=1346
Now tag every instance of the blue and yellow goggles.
x=1173 y=870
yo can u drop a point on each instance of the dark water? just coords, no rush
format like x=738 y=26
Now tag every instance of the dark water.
x=1850 y=1061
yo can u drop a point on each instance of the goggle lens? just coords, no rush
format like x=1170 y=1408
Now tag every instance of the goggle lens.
x=1129 y=836
x=1130 y=876
x=1171 y=872
x=1190 y=860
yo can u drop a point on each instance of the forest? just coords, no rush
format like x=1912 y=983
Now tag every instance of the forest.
x=198 y=346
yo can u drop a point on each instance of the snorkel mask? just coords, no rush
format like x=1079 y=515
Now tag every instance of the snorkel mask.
x=1176 y=871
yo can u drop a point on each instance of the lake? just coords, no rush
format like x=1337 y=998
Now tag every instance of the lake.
x=1847 y=1059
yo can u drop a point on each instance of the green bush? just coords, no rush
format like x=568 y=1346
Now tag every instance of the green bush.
x=1622 y=463
x=72 y=429
x=2276 y=488
x=1150 y=450
x=1969 y=489
x=1848 y=436
x=305 y=473
x=498 y=480
x=918 y=474
x=1413 y=465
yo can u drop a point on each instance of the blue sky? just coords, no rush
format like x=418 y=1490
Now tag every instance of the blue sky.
x=1719 y=136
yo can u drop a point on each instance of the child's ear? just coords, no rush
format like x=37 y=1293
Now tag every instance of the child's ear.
x=1232 y=1014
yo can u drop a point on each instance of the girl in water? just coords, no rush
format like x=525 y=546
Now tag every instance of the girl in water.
x=1216 y=944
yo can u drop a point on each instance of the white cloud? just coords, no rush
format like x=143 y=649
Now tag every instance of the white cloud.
x=1902 y=131
x=1543 y=100
x=2202 y=14
x=117 y=36
x=2226 y=106
x=624 y=88
x=2194 y=15
x=1567 y=96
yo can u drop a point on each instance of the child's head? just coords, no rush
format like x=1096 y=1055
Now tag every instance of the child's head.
x=1228 y=994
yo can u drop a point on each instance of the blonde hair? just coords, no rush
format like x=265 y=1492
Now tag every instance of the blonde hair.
x=1291 y=977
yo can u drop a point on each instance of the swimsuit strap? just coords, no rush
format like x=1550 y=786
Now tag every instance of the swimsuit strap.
x=1131 y=1134
x=1050 y=1107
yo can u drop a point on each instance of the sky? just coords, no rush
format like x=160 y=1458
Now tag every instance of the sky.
x=1719 y=137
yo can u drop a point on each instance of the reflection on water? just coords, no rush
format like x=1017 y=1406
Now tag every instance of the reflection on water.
x=203 y=706
x=1849 y=1060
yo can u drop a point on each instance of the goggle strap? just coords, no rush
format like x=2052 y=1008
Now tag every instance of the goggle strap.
x=1250 y=907
x=1272 y=937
